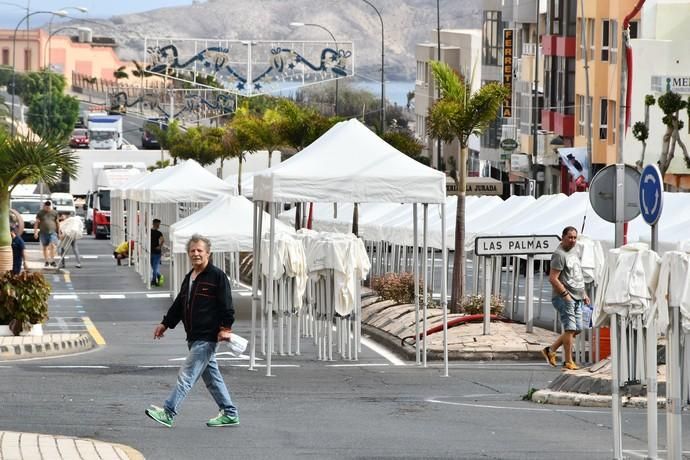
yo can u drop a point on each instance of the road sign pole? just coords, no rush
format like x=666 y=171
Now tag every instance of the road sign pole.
x=655 y=238
x=619 y=197
x=487 y=294
x=529 y=295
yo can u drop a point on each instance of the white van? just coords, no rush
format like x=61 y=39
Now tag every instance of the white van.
x=63 y=203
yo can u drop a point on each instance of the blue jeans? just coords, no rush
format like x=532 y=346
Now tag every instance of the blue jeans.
x=201 y=361
x=155 y=267
x=570 y=312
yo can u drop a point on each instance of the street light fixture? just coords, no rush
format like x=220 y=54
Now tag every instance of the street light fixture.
x=302 y=24
x=61 y=13
x=383 y=86
x=81 y=9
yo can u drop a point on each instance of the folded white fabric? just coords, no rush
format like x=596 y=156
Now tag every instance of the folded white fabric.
x=237 y=344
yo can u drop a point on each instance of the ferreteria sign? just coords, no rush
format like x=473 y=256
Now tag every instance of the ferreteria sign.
x=515 y=245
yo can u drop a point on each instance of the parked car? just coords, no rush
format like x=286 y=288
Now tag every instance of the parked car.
x=79 y=139
x=63 y=203
x=27 y=207
x=148 y=138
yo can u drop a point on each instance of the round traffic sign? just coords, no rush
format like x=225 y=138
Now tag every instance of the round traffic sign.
x=651 y=194
x=602 y=193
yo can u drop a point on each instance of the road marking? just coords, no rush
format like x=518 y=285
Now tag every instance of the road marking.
x=67 y=277
x=111 y=296
x=376 y=348
x=526 y=409
x=90 y=257
x=244 y=294
x=91 y=328
x=74 y=367
x=159 y=295
x=358 y=365
x=643 y=453
x=65 y=297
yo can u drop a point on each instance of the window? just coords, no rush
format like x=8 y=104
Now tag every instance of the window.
x=556 y=15
x=605 y=40
x=581 y=115
x=5 y=56
x=614 y=41
x=422 y=73
x=27 y=60
x=634 y=29
x=570 y=11
x=492 y=33
x=603 y=119
x=590 y=37
x=612 y=106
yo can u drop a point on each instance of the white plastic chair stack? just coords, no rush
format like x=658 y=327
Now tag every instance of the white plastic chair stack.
x=336 y=264
x=289 y=284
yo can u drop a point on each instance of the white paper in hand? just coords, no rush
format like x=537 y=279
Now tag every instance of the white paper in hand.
x=237 y=344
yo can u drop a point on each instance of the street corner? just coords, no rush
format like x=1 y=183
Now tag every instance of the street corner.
x=22 y=347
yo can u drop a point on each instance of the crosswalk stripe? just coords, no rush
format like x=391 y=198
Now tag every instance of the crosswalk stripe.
x=111 y=296
x=158 y=295
x=65 y=297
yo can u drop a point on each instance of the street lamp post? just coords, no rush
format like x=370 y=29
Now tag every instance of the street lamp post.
x=302 y=24
x=60 y=13
x=383 y=85
x=81 y=9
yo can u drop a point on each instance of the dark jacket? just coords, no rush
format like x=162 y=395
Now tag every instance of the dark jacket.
x=206 y=309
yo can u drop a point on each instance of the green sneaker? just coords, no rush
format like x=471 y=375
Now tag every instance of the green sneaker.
x=160 y=415
x=161 y=280
x=223 y=420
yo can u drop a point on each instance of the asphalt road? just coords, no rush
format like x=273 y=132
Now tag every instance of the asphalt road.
x=309 y=409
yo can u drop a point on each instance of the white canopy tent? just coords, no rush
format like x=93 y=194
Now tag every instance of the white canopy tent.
x=227 y=223
x=348 y=164
x=169 y=195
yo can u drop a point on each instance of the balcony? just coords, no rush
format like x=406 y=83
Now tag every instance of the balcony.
x=556 y=45
x=559 y=123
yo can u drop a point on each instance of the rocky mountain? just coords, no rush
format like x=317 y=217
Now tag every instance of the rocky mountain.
x=406 y=23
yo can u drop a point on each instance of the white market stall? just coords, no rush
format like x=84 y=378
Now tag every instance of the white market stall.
x=170 y=195
x=227 y=223
x=348 y=164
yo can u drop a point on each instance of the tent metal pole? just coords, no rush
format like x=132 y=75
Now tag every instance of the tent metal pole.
x=615 y=390
x=652 y=409
x=674 y=431
x=269 y=289
x=256 y=272
x=444 y=288
x=415 y=268
x=425 y=284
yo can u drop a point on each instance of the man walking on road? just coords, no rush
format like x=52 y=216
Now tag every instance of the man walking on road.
x=46 y=226
x=569 y=296
x=204 y=305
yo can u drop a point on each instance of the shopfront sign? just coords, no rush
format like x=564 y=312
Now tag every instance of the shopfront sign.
x=508 y=72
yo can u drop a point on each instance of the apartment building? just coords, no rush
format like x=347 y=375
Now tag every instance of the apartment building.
x=461 y=50
x=661 y=62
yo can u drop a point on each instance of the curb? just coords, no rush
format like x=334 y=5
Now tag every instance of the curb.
x=561 y=398
x=46 y=345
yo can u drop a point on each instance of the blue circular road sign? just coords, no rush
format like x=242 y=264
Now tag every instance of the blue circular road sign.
x=651 y=194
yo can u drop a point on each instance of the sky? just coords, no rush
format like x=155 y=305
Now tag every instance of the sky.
x=12 y=11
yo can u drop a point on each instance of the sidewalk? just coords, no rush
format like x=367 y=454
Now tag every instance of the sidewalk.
x=36 y=446
x=388 y=324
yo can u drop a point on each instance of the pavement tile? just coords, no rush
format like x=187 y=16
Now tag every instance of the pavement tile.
x=29 y=445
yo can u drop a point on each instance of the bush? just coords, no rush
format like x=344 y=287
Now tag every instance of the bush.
x=23 y=300
x=474 y=304
x=396 y=287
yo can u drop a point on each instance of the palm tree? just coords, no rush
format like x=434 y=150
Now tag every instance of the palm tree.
x=456 y=115
x=28 y=159
x=120 y=73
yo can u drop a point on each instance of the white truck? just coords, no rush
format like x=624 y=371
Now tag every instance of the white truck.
x=105 y=131
x=106 y=176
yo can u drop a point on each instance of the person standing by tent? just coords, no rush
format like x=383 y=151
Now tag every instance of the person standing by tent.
x=71 y=229
x=204 y=305
x=569 y=296
x=46 y=226
x=157 y=241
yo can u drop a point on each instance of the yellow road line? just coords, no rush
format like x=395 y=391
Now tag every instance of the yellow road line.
x=97 y=337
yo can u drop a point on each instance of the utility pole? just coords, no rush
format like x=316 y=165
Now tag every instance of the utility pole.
x=587 y=107
x=439 y=144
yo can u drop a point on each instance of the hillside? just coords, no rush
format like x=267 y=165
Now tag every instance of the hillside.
x=406 y=22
